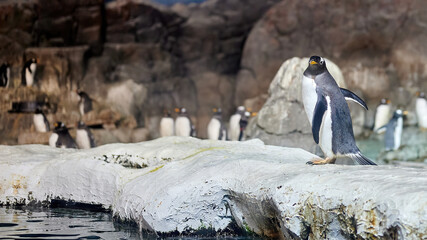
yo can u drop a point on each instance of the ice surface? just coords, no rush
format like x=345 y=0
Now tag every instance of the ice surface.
x=179 y=183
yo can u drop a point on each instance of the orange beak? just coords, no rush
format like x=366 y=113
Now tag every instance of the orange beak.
x=313 y=62
x=176 y=110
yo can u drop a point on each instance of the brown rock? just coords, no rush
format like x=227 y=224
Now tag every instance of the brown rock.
x=376 y=47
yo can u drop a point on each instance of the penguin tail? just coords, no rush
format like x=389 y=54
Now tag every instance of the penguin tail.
x=359 y=158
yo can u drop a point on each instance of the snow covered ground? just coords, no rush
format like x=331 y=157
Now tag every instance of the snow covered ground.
x=185 y=184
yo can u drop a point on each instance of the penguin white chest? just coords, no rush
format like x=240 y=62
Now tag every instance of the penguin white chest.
x=182 y=126
x=234 y=129
x=82 y=139
x=39 y=123
x=382 y=115
x=214 y=128
x=8 y=77
x=325 y=134
x=398 y=133
x=82 y=108
x=309 y=97
x=167 y=127
x=29 y=76
x=421 y=110
x=53 y=139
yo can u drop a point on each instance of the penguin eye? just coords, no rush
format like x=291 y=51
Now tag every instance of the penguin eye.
x=321 y=61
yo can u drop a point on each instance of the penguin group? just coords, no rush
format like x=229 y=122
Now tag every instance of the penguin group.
x=60 y=136
x=181 y=126
x=216 y=128
x=329 y=116
x=84 y=137
x=27 y=76
x=391 y=123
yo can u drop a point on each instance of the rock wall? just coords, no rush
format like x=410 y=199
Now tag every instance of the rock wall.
x=200 y=56
x=379 y=45
x=157 y=57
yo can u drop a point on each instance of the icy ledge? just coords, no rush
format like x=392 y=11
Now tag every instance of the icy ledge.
x=178 y=184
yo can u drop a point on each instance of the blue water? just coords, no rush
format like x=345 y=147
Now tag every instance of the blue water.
x=67 y=223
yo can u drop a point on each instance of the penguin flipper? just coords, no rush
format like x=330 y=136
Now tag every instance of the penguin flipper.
x=350 y=96
x=381 y=129
x=319 y=111
x=46 y=122
x=359 y=158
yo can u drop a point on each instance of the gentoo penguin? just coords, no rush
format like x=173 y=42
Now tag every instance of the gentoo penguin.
x=329 y=115
x=4 y=75
x=40 y=121
x=167 y=125
x=421 y=110
x=61 y=138
x=234 y=128
x=84 y=137
x=29 y=72
x=393 y=131
x=216 y=127
x=382 y=114
x=183 y=125
x=85 y=103
x=242 y=124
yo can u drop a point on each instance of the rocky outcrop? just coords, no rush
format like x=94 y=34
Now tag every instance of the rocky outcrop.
x=178 y=185
x=378 y=48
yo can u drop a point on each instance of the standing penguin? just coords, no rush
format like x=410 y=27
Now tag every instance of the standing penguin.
x=29 y=72
x=421 y=110
x=243 y=123
x=40 y=121
x=4 y=75
x=216 y=127
x=382 y=114
x=329 y=115
x=167 y=125
x=183 y=125
x=393 y=131
x=61 y=138
x=84 y=137
x=85 y=103
x=234 y=129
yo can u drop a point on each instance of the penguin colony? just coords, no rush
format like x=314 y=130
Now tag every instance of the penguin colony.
x=60 y=136
x=216 y=129
x=324 y=103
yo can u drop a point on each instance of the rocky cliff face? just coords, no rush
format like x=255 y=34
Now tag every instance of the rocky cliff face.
x=212 y=54
x=377 y=44
x=135 y=58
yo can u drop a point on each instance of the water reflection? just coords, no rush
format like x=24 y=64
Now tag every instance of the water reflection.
x=67 y=223
x=62 y=223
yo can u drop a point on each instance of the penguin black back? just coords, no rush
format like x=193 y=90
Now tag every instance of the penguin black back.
x=64 y=137
x=85 y=103
x=328 y=113
x=4 y=74
x=27 y=67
